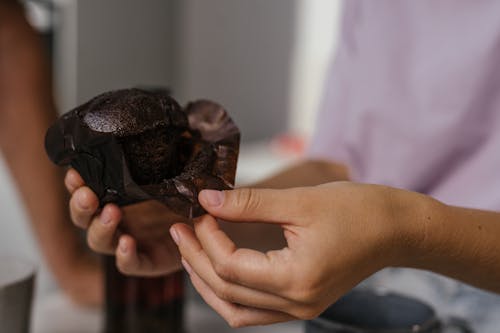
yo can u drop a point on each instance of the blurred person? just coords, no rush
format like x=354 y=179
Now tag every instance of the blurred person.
x=26 y=111
x=402 y=172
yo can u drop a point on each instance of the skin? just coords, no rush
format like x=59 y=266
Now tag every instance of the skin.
x=25 y=94
x=247 y=287
x=358 y=228
x=151 y=252
x=120 y=231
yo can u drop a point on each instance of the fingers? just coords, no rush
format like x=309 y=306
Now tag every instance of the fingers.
x=231 y=292
x=253 y=269
x=131 y=261
x=83 y=205
x=73 y=180
x=126 y=255
x=102 y=234
x=225 y=290
x=234 y=314
x=249 y=205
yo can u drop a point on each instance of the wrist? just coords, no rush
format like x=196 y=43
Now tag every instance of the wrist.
x=418 y=227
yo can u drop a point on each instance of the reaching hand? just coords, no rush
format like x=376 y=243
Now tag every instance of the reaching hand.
x=337 y=235
x=137 y=234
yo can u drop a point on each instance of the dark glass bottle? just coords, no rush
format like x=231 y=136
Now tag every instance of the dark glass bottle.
x=137 y=304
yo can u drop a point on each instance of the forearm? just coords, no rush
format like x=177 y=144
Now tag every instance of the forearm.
x=26 y=111
x=457 y=242
x=305 y=173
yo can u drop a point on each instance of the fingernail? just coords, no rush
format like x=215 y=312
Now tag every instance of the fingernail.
x=212 y=197
x=123 y=246
x=81 y=203
x=105 y=217
x=186 y=266
x=175 y=235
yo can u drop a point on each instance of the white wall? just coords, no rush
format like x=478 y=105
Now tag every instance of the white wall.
x=317 y=32
x=112 y=44
x=123 y=43
x=238 y=52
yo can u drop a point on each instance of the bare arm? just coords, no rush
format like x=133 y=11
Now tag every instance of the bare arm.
x=337 y=235
x=26 y=111
x=457 y=242
x=306 y=173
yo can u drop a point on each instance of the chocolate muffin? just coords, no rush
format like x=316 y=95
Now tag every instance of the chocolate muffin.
x=132 y=145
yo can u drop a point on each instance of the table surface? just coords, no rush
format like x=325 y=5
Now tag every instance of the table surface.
x=55 y=313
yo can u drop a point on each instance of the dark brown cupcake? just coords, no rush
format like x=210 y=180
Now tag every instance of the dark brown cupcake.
x=133 y=145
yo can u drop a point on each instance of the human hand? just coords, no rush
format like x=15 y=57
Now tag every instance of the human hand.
x=136 y=234
x=337 y=235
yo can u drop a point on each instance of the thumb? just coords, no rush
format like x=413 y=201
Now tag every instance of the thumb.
x=250 y=204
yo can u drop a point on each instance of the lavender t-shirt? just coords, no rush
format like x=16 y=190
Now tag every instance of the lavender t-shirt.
x=412 y=101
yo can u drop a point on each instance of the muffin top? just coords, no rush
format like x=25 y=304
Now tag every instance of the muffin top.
x=129 y=112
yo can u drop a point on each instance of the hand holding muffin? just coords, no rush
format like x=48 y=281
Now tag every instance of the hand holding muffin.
x=140 y=150
x=337 y=234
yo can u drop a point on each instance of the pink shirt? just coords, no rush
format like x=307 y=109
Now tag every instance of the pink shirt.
x=413 y=101
x=413 y=98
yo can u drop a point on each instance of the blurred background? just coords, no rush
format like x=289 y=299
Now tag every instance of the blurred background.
x=263 y=60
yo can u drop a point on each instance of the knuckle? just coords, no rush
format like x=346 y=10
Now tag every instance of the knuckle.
x=235 y=323
x=223 y=291
x=303 y=295
x=74 y=214
x=76 y=221
x=195 y=254
x=247 y=199
x=92 y=243
x=307 y=313
x=98 y=243
x=122 y=266
x=306 y=288
x=235 y=320
x=71 y=183
x=67 y=183
x=223 y=270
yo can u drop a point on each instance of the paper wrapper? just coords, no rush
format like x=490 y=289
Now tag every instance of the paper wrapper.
x=100 y=159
